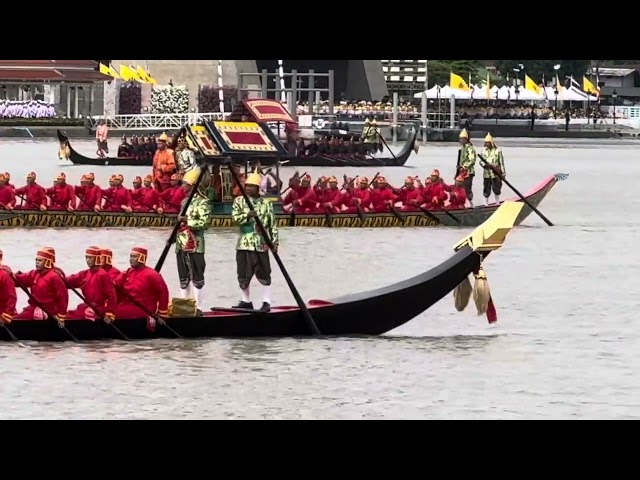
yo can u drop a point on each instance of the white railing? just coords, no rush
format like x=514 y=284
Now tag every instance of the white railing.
x=156 y=121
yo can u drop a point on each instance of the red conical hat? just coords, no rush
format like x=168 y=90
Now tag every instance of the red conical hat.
x=141 y=252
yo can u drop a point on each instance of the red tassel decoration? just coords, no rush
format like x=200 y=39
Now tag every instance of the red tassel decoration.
x=492 y=314
x=151 y=324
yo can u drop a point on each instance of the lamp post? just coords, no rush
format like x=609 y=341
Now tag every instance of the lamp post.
x=556 y=67
x=614 y=95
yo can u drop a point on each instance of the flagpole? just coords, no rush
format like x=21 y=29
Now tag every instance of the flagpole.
x=424 y=101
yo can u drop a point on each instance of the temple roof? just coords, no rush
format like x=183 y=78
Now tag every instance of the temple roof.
x=53 y=71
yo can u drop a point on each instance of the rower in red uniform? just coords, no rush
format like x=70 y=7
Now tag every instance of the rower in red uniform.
x=149 y=199
x=117 y=197
x=302 y=197
x=320 y=188
x=7 y=197
x=346 y=194
x=9 y=184
x=107 y=266
x=410 y=196
x=382 y=197
x=434 y=194
x=331 y=196
x=145 y=286
x=97 y=288
x=88 y=192
x=52 y=251
x=173 y=196
x=361 y=197
x=62 y=196
x=8 y=296
x=47 y=288
x=35 y=197
x=457 y=193
x=136 y=193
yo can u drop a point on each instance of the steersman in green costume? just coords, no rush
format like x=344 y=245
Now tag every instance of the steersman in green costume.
x=252 y=251
x=190 y=238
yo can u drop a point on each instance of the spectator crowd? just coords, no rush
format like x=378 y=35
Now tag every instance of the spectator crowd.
x=26 y=109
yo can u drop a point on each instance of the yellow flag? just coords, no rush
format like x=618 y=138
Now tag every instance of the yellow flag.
x=144 y=75
x=104 y=70
x=559 y=86
x=113 y=72
x=588 y=87
x=456 y=81
x=124 y=73
x=135 y=75
x=531 y=85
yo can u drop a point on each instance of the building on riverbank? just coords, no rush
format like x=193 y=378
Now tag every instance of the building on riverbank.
x=74 y=87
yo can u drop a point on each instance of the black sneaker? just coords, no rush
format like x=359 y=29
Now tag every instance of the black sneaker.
x=265 y=307
x=245 y=305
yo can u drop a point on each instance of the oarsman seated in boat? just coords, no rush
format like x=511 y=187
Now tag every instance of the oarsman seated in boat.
x=48 y=289
x=185 y=158
x=150 y=146
x=107 y=263
x=97 y=287
x=136 y=149
x=52 y=251
x=7 y=197
x=62 y=196
x=173 y=196
x=382 y=197
x=410 y=195
x=434 y=193
x=146 y=198
x=361 y=197
x=493 y=156
x=124 y=149
x=312 y=148
x=252 y=251
x=8 y=296
x=88 y=193
x=332 y=196
x=457 y=194
x=301 y=148
x=164 y=164
x=145 y=286
x=320 y=187
x=34 y=195
x=323 y=146
x=117 y=198
x=136 y=192
x=301 y=197
x=9 y=184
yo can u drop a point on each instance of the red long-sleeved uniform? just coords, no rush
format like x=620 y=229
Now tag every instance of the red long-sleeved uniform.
x=434 y=196
x=97 y=287
x=48 y=289
x=8 y=296
x=34 y=197
x=116 y=197
x=91 y=196
x=61 y=197
x=380 y=196
x=172 y=198
x=146 y=198
x=147 y=287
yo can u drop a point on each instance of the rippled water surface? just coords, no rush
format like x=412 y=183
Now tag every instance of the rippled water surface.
x=565 y=345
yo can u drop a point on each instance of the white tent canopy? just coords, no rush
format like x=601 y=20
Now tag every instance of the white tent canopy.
x=506 y=93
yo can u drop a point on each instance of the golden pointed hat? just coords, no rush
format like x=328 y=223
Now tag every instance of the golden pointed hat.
x=464 y=133
x=254 y=179
x=488 y=138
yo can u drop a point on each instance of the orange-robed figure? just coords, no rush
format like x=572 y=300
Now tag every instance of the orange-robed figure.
x=144 y=285
x=7 y=197
x=147 y=198
x=164 y=164
x=48 y=289
x=88 y=193
x=33 y=194
x=97 y=287
x=62 y=196
x=117 y=197
x=8 y=296
x=173 y=196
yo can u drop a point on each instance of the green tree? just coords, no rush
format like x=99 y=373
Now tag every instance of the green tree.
x=440 y=70
x=537 y=68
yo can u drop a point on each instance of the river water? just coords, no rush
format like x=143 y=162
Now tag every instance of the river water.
x=565 y=344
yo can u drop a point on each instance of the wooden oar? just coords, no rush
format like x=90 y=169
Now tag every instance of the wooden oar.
x=386 y=145
x=92 y=306
x=327 y=216
x=487 y=166
x=303 y=308
x=41 y=307
x=147 y=312
x=174 y=232
x=396 y=214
